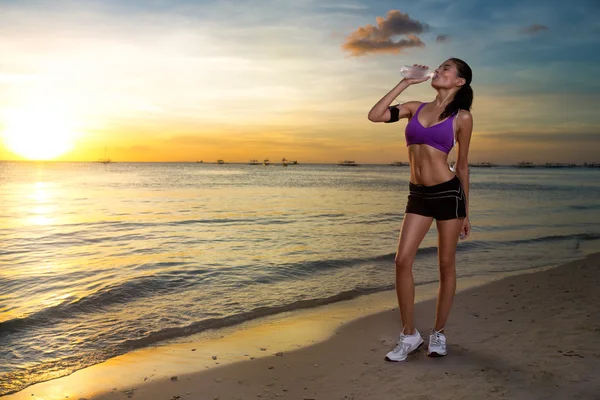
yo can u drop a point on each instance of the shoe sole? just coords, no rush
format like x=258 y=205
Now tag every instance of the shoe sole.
x=418 y=347
x=434 y=354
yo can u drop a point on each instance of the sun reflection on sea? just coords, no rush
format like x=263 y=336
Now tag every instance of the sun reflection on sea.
x=41 y=214
x=40 y=193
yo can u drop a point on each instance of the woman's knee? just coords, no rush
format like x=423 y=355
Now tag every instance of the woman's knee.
x=447 y=267
x=403 y=263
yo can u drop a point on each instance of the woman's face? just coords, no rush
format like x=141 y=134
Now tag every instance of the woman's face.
x=446 y=76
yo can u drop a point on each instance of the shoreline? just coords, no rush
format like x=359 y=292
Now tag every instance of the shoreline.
x=374 y=297
x=292 y=337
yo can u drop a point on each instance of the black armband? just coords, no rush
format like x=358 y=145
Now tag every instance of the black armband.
x=394 y=114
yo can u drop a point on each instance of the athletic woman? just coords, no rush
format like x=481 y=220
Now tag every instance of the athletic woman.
x=436 y=191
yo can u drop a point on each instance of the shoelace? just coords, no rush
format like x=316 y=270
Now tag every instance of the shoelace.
x=436 y=338
x=401 y=345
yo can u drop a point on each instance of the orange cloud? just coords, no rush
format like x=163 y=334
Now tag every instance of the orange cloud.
x=379 y=39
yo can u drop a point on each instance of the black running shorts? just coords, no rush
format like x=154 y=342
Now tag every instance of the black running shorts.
x=442 y=202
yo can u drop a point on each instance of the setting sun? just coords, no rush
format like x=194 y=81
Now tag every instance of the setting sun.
x=39 y=133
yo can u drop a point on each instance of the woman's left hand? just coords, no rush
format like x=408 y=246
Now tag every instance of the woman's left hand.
x=466 y=229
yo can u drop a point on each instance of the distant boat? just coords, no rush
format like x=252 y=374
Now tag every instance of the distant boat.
x=348 y=163
x=220 y=162
x=558 y=165
x=254 y=162
x=591 y=165
x=105 y=160
x=484 y=164
x=266 y=162
x=525 y=164
x=294 y=162
x=200 y=162
x=398 y=164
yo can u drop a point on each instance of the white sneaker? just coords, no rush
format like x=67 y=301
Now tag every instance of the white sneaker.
x=437 y=344
x=406 y=344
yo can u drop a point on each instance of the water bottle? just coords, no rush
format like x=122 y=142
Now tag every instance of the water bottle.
x=415 y=72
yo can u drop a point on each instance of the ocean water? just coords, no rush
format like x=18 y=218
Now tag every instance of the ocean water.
x=97 y=260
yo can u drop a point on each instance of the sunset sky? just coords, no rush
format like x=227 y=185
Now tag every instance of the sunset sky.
x=187 y=80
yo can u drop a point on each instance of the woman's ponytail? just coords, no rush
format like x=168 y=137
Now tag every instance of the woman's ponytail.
x=463 y=99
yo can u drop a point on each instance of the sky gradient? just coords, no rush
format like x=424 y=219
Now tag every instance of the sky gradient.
x=240 y=80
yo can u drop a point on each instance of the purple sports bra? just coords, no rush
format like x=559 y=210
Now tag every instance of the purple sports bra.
x=439 y=136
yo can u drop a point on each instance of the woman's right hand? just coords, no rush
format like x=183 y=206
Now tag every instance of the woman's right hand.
x=412 y=81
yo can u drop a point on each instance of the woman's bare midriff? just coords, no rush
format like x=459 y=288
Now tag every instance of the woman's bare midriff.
x=428 y=165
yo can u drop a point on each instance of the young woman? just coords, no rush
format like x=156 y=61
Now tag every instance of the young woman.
x=436 y=192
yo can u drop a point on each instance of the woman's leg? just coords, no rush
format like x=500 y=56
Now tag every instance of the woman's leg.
x=448 y=232
x=414 y=229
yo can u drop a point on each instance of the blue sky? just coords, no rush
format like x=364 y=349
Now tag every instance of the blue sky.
x=185 y=80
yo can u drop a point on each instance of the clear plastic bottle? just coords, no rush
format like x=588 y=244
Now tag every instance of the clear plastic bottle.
x=415 y=72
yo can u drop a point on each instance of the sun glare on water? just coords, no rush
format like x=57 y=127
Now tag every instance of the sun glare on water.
x=39 y=133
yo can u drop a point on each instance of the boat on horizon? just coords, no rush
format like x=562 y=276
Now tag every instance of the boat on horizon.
x=483 y=164
x=220 y=162
x=105 y=160
x=398 y=164
x=266 y=162
x=348 y=163
x=525 y=164
x=254 y=162
x=558 y=165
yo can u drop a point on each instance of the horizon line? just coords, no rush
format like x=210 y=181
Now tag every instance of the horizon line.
x=478 y=163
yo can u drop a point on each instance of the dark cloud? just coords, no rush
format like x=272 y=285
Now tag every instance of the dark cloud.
x=442 y=38
x=380 y=39
x=534 y=29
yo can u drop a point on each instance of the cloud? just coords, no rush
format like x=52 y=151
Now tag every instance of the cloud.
x=379 y=39
x=442 y=38
x=534 y=29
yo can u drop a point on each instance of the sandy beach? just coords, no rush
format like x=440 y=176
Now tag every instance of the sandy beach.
x=528 y=336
